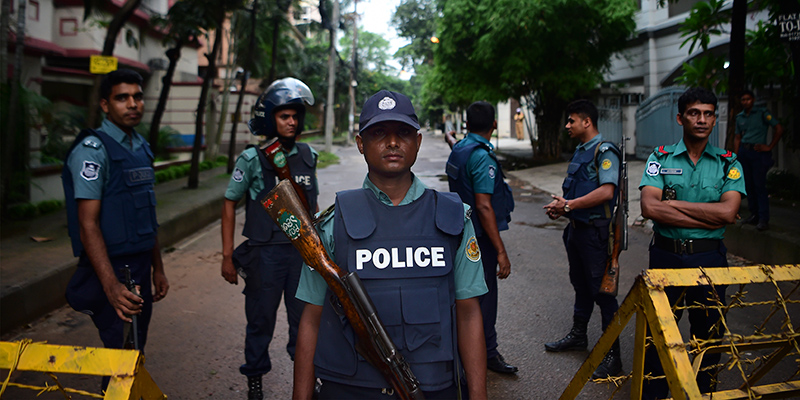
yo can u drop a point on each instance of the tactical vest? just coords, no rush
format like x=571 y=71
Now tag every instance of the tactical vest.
x=502 y=199
x=577 y=184
x=128 y=208
x=404 y=256
x=258 y=226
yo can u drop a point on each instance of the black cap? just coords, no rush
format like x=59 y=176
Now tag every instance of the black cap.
x=387 y=106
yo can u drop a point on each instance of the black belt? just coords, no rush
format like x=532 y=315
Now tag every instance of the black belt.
x=688 y=246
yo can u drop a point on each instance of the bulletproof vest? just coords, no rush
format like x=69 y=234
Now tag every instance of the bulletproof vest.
x=502 y=199
x=404 y=256
x=258 y=226
x=577 y=184
x=128 y=208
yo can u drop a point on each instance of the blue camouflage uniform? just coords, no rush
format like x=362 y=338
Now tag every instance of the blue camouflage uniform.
x=753 y=127
x=267 y=260
x=716 y=172
x=415 y=259
x=586 y=238
x=473 y=168
x=110 y=166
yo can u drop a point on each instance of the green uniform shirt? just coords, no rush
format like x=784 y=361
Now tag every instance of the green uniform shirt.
x=670 y=166
x=481 y=167
x=92 y=150
x=469 y=281
x=246 y=176
x=753 y=127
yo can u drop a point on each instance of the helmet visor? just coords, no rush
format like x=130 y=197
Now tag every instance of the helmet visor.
x=289 y=90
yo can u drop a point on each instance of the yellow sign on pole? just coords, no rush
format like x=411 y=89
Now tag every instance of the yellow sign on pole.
x=102 y=64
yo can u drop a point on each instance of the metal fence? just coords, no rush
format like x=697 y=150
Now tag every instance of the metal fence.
x=609 y=124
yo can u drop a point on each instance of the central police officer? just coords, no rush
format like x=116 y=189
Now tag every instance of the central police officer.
x=590 y=193
x=430 y=309
x=691 y=190
x=267 y=260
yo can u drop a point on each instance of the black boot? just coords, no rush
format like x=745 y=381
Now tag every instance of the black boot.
x=254 y=391
x=575 y=339
x=611 y=364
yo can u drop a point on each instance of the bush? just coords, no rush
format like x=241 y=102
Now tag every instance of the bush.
x=48 y=206
x=221 y=160
x=23 y=211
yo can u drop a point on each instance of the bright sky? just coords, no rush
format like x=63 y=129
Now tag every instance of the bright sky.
x=375 y=17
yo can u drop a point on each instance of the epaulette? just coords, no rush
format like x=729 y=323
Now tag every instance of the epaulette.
x=93 y=143
x=729 y=155
x=248 y=154
x=663 y=150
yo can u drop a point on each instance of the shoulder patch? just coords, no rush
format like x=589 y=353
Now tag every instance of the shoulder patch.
x=472 y=250
x=606 y=164
x=769 y=117
x=238 y=175
x=89 y=142
x=90 y=170
x=652 y=168
x=734 y=173
x=492 y=171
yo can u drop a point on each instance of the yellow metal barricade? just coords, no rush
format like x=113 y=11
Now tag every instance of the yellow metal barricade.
x=129 y=378
x=648 y=301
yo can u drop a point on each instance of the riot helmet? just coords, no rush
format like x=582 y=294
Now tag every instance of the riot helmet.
x=281 y=94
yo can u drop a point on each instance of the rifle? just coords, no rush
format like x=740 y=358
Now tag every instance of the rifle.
x=130 y=330
x=618 y=239
x=372 y=341
x=276 y=157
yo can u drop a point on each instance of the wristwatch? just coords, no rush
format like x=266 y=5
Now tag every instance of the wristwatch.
x=566 y=206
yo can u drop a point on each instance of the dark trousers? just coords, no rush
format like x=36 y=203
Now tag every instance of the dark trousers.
x=272 y=271
x=701 y=321
x=338 y=391
x=587 y=252
x=755 y=165
x=488 y=301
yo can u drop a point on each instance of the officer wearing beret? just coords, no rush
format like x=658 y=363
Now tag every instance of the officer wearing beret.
x=474 y=173
x=691 y=190
x=750 y=144
x=108 y=183
x=267 y=261
x=428 y=302
x=590 y=193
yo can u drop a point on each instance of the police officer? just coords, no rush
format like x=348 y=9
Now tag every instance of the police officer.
x=691 y=190
x=267 y=261
x=422 y=303
x=590 y=193
x=474 y=173
x=108 y=183
x=750 y=144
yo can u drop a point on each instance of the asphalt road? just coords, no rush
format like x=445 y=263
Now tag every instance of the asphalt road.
x=197 y=332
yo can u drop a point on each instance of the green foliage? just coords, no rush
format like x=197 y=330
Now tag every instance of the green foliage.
x=416 y=20
x=325 y=159
x=705 y=20
x=167 y=137
x=22 y=211
x=706 y=72
x=49 y=206
x=768 y=60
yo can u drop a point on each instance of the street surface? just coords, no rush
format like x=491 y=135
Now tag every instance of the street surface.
x=196 y=336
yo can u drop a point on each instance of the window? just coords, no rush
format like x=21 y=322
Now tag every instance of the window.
x=681 y=7
x=68 y=26
x=33 y=10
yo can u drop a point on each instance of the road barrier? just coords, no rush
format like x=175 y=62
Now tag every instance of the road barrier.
x=648 y=301
x=129 y=378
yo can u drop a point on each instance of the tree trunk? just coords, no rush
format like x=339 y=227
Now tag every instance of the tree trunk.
x=114 y=27
x=251 y=48
x=276 y=30
x=548 y=118
x=736 y=68
x=174 y=55
x=4 y=23
x=212 y=151
x=332 y=58
x=194 y=170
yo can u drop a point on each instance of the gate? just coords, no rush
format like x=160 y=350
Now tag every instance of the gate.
x=610 y=124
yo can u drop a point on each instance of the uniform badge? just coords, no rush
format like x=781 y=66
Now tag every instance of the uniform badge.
x=279 y=160
x=671 y=171
x=652 y=168
x=90 y=170
x=387 y=103
x=769 y=117
x=734 y=173
x=238 y=175
x=290 y=225
x=491 y=171
x=606 y=164
x=472 y=250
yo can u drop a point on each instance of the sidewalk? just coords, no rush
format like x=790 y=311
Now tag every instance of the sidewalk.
x=34 y=275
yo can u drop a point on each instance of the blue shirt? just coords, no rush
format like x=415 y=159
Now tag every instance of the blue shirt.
x=246 y=177
x=607 y=161
x=92 y=151
x=481 y=167
x=468 y=270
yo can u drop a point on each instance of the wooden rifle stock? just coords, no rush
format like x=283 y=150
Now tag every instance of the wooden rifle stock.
x=610 y=282
x=276 y=157
x=373 y=343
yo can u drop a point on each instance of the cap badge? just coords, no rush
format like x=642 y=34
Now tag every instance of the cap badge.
x=387 y=103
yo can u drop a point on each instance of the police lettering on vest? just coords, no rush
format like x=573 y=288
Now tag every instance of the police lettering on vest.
x=409 y=257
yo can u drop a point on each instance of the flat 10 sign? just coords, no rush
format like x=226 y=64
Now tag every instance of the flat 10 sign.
x=102 y=64
x=789 y=25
